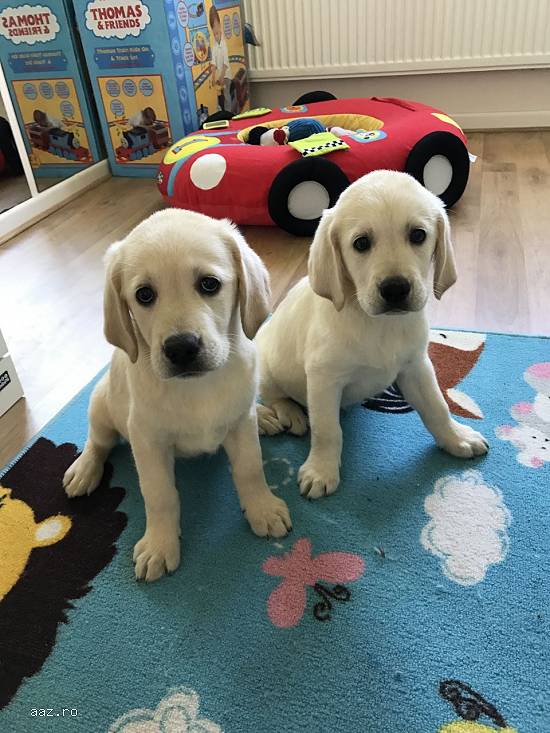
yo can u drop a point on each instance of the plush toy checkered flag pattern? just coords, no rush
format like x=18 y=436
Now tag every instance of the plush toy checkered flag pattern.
x=325 y=148
x=320 y=143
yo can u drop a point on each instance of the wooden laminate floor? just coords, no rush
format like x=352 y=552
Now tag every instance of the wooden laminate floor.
x=51 y=276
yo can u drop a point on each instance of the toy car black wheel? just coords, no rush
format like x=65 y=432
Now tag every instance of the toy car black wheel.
x=441 y=163
x=301 y=191
x=217 y=116
x=312 y=97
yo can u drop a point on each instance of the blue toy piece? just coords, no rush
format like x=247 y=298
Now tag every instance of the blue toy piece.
x=303 y=127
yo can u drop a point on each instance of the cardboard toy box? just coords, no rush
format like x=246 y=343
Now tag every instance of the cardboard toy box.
x=39 y=49
x=10 y=386
x=155 y=67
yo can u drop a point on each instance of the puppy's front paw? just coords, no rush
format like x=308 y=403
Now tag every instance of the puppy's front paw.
x=268 y=516
x=463 y=441
x=83 y=476
x=157 y=552
x=318 y=477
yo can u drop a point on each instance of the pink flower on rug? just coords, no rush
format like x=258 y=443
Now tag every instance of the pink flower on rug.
x=287 y=603
x=523 y=408
x=541 y=370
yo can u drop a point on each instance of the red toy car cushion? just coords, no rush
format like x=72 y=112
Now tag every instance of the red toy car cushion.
x=218 y=173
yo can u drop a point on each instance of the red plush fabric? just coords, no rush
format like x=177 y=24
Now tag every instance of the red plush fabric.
x=242 y=191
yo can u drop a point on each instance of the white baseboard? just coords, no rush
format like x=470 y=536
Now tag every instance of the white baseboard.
x=515 y=119
x=477 y=100
x=26 y=214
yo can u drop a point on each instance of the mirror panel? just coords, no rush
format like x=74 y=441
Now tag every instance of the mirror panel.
x=14 y=188
x=46 y=80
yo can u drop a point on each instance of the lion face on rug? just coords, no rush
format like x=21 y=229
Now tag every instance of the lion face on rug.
x=20 y=534
x=51 y=548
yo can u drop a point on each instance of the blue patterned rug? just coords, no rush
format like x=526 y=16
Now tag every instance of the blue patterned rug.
x=414 y=600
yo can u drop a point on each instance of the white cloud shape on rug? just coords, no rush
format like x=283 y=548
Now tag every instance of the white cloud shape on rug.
x=468 y=528
x=176 y=713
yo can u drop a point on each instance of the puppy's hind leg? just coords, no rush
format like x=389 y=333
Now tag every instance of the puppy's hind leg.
x=268 y=423
x=84 y=475
x=290 y=415
x=279 y=413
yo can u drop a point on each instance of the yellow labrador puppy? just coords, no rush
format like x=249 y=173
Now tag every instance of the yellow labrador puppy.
x=183 y=297
x=358 y=323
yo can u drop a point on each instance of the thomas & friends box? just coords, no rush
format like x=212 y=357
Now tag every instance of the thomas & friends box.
x=159 y=68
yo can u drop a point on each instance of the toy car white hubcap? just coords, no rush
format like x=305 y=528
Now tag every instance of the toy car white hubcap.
x=307 y=200
x=438 y=174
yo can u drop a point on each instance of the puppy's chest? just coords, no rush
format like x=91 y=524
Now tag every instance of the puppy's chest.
x=373 y=372
x=200 y=440
x=366 y=383
x=200 y=425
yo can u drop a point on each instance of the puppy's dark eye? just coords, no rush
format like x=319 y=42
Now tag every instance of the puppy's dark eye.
x=209 y=285
x=417 y=236
x=362 y=244
x=145 y=295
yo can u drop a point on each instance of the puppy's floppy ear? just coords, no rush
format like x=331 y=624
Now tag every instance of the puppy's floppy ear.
x=325 y=266
x=118 y=327
x=444 y=258
x=254 y=292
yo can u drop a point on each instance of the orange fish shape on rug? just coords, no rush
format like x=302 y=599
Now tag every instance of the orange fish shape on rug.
x=454 y=354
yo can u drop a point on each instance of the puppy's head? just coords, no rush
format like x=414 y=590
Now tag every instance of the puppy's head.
x=179 y=287
x=377 y=244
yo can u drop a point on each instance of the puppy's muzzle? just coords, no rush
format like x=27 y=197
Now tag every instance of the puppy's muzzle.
x=395 y=292
x=183 y=351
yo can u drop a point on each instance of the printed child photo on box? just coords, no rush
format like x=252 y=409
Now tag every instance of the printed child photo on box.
x=219 y=68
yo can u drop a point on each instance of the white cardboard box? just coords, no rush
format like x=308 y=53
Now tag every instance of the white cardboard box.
x=3 y=347
x=10 y=386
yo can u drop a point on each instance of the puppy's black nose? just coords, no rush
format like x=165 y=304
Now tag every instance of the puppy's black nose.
x=182 y=348
x=394 y=290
